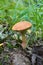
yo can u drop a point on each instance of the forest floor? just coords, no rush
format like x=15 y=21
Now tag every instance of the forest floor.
x=15 y=56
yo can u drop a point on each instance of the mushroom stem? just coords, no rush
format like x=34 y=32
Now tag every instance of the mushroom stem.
x=23 y=40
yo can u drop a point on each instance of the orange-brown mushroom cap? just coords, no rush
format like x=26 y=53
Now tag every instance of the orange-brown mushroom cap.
x=20 y=26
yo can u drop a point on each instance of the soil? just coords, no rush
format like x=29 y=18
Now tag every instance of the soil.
x=15 y=57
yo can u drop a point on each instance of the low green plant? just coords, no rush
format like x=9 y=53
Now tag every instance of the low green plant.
x=13 y=11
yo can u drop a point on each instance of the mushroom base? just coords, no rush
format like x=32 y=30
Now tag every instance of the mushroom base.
x=23 y=45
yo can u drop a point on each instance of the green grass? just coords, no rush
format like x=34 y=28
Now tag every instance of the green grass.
x=14 y=11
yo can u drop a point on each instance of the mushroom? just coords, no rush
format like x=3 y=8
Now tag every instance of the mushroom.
x=22 y=27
